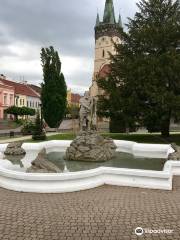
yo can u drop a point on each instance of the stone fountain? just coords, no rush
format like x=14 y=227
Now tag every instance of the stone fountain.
x=89 y=145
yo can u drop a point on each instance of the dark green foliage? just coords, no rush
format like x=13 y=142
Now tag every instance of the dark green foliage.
x=38 y=133
x=117 y=125
x=25 y=111
x=54 y=90
x=20 y=111
x=144 y=84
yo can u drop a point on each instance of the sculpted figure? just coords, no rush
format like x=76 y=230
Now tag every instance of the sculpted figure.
x=42 y=165
x=89 y=146
x=87 y=113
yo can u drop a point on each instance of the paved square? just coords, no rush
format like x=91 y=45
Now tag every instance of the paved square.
x=105 y=213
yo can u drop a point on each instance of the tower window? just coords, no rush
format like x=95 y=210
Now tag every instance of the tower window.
x=103 y=53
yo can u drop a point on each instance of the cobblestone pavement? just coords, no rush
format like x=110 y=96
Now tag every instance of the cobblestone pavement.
x=107 y=213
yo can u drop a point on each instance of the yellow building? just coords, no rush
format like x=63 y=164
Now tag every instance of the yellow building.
x=20 y=100
x=73 y=98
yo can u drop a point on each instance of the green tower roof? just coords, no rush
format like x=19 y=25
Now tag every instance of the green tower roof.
x=97 y=20
x=109 y=15
x=120 y=21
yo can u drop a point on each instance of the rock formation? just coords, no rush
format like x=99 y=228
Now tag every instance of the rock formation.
x=42 y=165
x=176 y=155
x=89 y=146
x=14 y=149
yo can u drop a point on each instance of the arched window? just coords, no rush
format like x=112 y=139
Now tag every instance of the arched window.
x=103 y=53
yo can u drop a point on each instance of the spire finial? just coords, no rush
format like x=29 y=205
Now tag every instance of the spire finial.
x=97 y=19
x=109 y=15
x=120 y=21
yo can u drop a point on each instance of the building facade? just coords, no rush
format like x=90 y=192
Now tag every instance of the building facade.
x=6 y=98
x=73 y=98
x=107 y=32
x=33 y=102
x=69 y=97
x=23 y=94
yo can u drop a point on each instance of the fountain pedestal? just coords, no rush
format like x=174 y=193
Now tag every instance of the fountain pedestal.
x=90 y=146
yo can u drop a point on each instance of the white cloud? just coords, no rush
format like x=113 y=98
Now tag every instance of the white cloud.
x=68 y=26
x=23 y=60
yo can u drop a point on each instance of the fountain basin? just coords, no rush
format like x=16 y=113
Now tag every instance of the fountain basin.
x=13 y=179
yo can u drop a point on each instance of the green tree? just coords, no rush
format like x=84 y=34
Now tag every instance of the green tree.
x=54 y=90
x=144 y=83
x=73 y=111
x=20 y=111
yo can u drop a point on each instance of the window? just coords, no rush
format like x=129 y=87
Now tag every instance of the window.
x=5 y=99
x=103 y=53
x=27 y=104
x=11 y=99
x=23 y=102
x=20 y=102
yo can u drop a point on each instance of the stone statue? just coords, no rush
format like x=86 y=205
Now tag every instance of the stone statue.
x=93 y=114
x=89 y=145
x=42 y=165
x=87 y=113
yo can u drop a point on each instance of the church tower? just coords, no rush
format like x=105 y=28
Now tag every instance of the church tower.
x=106 y=33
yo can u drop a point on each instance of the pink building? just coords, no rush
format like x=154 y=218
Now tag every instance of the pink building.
x=6 y=98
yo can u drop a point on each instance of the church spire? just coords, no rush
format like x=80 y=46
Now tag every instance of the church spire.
x=97 y=20
x=120 y=21
x=109 y=15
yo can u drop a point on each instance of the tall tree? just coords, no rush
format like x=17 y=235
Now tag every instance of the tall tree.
x=54 y=90
x=144 y=83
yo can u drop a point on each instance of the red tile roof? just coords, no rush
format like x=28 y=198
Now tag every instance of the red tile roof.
x=6 y=86
x=36 y=88
x=20 y=88
x=75 y=98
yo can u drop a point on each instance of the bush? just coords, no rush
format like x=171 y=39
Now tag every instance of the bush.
x=28 y=128
x=39 y=132
x=41 y=137
x=20 y=121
